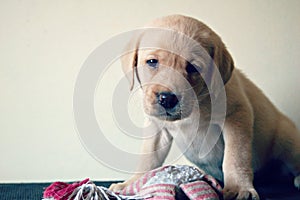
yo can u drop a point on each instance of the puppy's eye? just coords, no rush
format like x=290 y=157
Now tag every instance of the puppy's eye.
x=190 y=68
x=152 y=63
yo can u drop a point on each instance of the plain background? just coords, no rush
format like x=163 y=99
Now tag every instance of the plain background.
x=43 y=45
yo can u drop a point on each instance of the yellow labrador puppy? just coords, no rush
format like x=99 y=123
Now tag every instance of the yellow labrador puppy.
x=253 y=131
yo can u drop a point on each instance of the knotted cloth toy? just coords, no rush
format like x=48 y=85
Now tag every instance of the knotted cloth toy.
x=168 y=182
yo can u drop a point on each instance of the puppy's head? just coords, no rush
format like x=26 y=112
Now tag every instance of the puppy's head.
x=176 y=62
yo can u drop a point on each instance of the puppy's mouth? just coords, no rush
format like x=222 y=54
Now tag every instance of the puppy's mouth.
x=165 y=114
x=167 y=106
x=171 y=115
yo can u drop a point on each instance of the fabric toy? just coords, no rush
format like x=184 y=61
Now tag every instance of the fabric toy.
x=168 y=182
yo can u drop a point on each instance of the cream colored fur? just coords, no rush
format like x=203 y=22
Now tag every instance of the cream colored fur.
x=254 y=131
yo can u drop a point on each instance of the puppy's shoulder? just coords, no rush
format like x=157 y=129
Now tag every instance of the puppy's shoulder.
x=237 y=83
x=240 y=84
x=241 y=91
x=238 y=89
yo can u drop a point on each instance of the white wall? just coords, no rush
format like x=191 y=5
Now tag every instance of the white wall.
x=43 y=45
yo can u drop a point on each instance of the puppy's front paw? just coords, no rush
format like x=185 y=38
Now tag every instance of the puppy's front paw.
x=117 y=187
x=240 y=193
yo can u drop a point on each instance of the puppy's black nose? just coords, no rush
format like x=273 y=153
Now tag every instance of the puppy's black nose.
x=167 y=100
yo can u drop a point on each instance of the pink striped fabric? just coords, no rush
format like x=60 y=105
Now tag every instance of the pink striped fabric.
x=165 y=183
x=159 y=191
x=135 y=187
x=205 y=188
x=199 y=190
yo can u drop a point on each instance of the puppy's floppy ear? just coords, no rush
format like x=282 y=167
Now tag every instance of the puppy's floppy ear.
x=129 y=62
x=223 y=60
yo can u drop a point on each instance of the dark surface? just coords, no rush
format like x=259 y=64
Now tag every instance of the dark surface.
x=29 y=191
x=276 y=182
x=278 y=190
x=282 y=189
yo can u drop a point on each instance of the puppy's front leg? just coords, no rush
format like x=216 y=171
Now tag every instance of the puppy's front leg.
x=154 y=151
x=237 y=163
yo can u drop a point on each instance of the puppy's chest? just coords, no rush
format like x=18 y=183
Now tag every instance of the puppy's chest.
x=203 y=147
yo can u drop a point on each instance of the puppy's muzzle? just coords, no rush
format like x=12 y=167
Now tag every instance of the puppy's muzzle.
x=167 y=100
